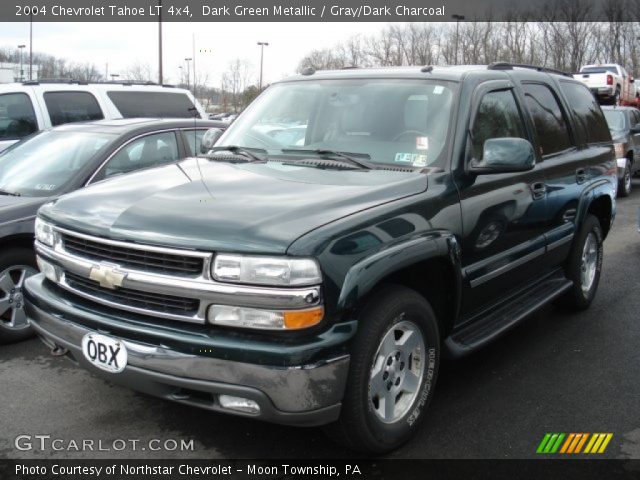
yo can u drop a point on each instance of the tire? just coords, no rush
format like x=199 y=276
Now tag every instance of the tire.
x=584 y=287
x=15 y=265
x=393 y=313
x=616 y=98
x=624 y=184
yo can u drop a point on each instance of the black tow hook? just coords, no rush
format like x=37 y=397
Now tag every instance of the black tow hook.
x=59 y=351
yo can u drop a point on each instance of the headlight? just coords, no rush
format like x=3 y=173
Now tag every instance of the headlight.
x=44 y=232
x=274 y=271
x=618 y=148
x=264 y=319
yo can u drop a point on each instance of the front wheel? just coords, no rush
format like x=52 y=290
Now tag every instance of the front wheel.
x=15 y=266
x=584 y=265
x=393 y=369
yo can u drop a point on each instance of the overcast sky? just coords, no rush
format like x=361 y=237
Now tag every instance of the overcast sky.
x=122 y=44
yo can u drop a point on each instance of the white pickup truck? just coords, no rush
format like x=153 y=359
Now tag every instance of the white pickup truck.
x=610 y=83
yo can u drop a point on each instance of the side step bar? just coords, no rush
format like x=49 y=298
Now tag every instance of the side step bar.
x=504 y=317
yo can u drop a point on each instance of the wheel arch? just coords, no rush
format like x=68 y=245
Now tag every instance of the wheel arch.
x=430 y=266
x=602 y=208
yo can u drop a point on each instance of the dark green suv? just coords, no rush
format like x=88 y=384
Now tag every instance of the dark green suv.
x=346 y=231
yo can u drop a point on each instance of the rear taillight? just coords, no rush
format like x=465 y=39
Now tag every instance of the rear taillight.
x=609 y=79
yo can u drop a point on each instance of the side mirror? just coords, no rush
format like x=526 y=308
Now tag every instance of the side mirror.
x=635 y=128
x=209 y=139
x=504 y=155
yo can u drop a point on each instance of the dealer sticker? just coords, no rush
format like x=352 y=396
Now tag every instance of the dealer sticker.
x=422 y=143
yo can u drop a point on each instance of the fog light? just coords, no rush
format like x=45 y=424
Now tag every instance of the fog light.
x=48 y=269
x=239 y=404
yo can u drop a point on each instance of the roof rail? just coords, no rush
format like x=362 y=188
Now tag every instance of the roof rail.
x=70 y=81
x=509 y=66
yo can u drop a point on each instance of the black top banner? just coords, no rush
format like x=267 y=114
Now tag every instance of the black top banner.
x=317 y=10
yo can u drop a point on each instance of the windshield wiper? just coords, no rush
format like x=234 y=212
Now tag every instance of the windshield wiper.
x=349 y=157
x=239 y=151
x=11 y=194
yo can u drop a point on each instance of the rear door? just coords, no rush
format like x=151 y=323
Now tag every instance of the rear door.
x=569 y=173
x=503 y=214
x=18 y=117
x=561 y=162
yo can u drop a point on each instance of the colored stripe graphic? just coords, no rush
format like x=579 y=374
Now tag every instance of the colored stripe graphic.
x=573 y=443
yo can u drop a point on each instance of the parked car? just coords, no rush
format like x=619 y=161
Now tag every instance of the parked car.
x=320 y=283
x=611 y=83
x=624 y=124
x=56 y=161
x=28 y=107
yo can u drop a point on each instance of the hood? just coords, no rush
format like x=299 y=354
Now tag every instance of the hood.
x=16 y=208
x=232 y=207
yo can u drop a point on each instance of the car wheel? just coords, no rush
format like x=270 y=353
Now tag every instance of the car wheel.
x=624 y=184
x=15 y=266
x=393 y=369
x=584 y=265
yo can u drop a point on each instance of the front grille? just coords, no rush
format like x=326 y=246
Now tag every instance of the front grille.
x=145 y=260
x=154 y=302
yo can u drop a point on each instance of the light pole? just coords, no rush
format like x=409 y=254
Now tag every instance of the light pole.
x=21 y=47
x=457 y=18
x=188 y=72
x=262 y=45
x=31 y=45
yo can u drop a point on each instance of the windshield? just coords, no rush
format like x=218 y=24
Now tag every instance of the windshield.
x=615 y=119
x=44 y=164
x=600 y=69
x=400 y=122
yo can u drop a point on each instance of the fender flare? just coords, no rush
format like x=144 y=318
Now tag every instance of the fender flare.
x=368 y=272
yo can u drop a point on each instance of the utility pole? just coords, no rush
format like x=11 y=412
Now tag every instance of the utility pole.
x=193 y=55
x=457 y=18
x=160 y=81
x=262 y=45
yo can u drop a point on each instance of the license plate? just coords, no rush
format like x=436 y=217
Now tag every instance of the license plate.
x=104 y=352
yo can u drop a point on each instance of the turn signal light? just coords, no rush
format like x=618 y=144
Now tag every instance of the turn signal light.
x=303 y=318
x=609 y=79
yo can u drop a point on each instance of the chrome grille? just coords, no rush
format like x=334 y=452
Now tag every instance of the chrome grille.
x=139 y=259
x=154 y=302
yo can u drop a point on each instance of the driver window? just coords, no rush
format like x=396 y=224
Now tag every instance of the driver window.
x=497 y=117
x=145 y=152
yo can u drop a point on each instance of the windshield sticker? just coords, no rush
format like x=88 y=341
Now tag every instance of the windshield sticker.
x=438 y=89
x=413 y=159
x=45 y=186
x=422 y=143
x=420 y=161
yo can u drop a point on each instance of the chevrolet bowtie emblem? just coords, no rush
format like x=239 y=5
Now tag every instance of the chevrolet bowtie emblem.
x=107 y=276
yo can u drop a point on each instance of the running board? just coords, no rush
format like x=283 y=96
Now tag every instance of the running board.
x=506 y=316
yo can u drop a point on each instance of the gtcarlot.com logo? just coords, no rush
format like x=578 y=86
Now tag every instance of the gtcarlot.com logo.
x=573 y=443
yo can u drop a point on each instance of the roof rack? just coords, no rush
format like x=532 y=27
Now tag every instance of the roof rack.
x=510 y=66
x=70 y=81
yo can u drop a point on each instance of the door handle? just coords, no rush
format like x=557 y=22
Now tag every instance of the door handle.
x=581 y=175
x=538 y=190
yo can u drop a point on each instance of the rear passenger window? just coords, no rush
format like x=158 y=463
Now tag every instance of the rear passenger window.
x=498 y=116
x=67 y=107
x=17 y=118
x=548 y=119
x=591 y=125
x=149 y=151
x=153 y=104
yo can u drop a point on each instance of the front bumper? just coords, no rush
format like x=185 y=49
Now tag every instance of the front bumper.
x=304 y=395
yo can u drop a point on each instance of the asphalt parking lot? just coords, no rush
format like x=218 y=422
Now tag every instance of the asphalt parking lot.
x=555 y=373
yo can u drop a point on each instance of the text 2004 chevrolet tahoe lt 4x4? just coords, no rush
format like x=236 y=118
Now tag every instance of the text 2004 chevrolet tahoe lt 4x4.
x=347 y=230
